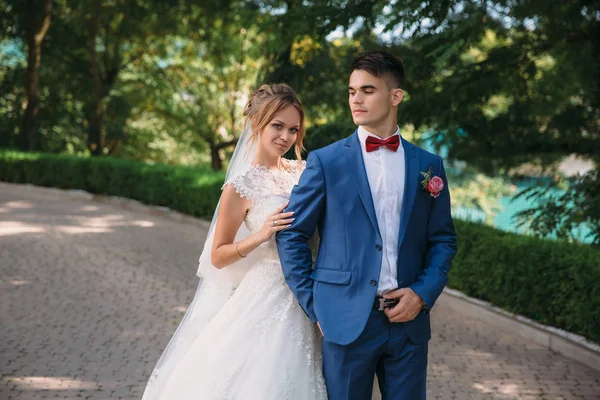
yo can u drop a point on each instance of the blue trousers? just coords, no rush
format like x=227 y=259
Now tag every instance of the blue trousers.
x=383 y=348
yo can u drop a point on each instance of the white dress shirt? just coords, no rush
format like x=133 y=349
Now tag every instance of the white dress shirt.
x=385 y=171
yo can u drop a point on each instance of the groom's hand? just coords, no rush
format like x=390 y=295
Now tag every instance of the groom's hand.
x=408 y=307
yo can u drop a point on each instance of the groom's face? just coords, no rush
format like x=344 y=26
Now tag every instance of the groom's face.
x=371 y=100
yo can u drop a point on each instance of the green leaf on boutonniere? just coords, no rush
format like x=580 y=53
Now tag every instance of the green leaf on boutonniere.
x=427 y=178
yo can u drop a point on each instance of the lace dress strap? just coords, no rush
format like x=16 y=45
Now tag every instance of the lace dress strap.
x=249 y=184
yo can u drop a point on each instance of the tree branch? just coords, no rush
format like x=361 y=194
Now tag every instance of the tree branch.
x=226 y=144
x=39 y=37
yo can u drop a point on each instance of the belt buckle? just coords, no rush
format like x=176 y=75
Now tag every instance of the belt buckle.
x=381 y=304
x=386 y=303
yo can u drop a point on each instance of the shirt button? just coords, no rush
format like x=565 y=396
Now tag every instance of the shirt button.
x=378 y=247
x=373 y=283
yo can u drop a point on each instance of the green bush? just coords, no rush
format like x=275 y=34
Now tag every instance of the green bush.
x=555 y=283
x=192 y=191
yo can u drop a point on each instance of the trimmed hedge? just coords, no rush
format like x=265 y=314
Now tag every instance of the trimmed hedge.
x=555 y=283
x=190 y=190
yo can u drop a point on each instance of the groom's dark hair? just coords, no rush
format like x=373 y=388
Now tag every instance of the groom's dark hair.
x=382 y=65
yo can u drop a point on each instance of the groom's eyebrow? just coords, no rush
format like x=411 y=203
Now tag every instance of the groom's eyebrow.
x=363 y=87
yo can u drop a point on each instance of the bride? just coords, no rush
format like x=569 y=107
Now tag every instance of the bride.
x=244 y=336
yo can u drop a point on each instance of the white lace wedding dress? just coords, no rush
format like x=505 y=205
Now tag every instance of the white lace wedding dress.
x=259 y=345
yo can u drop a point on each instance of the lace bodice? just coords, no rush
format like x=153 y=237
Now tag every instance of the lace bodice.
x=267 y=190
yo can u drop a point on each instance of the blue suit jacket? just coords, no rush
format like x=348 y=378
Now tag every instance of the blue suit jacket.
x=333 y=196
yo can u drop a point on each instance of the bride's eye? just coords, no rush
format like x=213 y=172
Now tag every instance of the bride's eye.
x=277 y=126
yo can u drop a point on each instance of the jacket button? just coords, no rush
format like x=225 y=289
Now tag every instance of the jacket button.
x=378 y=247
x=373 y=283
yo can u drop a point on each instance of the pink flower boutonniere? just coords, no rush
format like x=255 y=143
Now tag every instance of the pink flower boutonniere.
x=432 y=184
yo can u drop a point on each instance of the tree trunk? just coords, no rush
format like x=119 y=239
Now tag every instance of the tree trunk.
x=104 y=73
x=216 y=161
x=35 y=36
x=114 y=146
x=96 y=109
x=215 y=157
x=95 y=128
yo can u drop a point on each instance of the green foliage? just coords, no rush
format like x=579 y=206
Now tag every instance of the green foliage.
x=507 y=83
x=12 y=93
x=322 y=135
x=200 y=83
x=555 y=283
x=318 y=72
x=193 y=191
x=98 y=71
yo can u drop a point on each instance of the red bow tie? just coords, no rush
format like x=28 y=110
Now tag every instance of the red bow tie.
x=373 y=143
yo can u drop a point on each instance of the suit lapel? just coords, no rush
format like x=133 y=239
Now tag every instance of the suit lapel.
x=354 y=157
x=411 y=175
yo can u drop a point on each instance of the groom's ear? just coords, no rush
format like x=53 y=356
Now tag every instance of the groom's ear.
x=397 y=96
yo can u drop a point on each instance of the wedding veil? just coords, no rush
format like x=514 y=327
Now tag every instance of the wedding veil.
x=229 y=277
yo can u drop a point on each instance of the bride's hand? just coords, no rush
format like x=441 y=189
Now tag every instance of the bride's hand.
x=275 y=223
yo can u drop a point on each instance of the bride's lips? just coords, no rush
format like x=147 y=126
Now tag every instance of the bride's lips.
x=282 y=146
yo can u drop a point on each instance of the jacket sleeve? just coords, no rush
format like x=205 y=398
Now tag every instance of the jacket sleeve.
x=307 y=201
x=441 y=247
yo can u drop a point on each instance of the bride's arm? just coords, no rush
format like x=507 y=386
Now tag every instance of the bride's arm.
x=232 y=211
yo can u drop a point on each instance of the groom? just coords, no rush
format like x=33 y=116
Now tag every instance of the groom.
x=382 y=209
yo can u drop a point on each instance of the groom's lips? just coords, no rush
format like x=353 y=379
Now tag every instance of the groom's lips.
x=358 y=111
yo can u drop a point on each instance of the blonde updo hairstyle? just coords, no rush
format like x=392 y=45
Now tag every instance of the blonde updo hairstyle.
x=267 y=101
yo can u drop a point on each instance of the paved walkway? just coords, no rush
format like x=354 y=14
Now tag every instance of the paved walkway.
x=90 y=294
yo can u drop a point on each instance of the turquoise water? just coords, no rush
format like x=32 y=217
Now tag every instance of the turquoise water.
x=506 y=218
x=10 y=53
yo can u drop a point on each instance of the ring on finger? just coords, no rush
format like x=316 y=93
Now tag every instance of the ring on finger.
x=275 y=222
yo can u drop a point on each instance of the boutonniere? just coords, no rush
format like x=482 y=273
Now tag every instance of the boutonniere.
x=432 y=183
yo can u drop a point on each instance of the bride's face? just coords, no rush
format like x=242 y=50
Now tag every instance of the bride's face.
x=281 y=132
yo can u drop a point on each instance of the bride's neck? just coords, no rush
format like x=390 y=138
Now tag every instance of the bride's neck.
x=266 y=160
